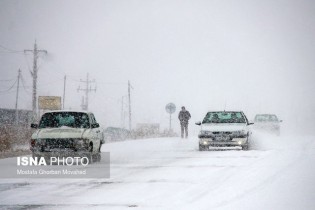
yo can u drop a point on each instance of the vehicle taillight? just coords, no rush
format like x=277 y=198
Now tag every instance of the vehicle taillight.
x=32 y=143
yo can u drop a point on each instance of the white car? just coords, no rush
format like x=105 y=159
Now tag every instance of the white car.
x=267 y=122
x=67 y=133
x=224 y=129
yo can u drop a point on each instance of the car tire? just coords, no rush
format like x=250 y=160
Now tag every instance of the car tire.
x=245 y=147
x=89 y=154
x=202 y=148
x=97 y=157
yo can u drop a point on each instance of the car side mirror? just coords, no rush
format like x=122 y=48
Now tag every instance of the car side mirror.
x=250 y=123
x=198 y=123
x=34 y=125
x=95 y=125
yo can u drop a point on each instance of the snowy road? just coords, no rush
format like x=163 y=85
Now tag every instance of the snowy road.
x=170 y=173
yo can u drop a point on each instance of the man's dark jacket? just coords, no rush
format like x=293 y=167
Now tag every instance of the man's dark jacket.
x=184 y=116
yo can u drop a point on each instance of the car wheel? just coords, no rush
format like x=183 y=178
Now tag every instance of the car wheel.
x=202 y=148
x=97 y=157
x=89 y=154
x=47 y=160
x=245 y=147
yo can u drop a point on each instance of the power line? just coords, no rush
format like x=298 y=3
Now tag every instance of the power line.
x=19 y=53
x=4 y=93
x=9 y=87
x=10 y=50
x=27 y=63
x=23 y=84
x=87 y=90
x=6 y=80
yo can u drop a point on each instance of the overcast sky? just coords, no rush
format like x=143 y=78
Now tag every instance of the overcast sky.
x=251 y=55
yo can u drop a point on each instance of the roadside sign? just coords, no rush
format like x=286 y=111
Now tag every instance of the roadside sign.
x=170 y=108
x=49 y=102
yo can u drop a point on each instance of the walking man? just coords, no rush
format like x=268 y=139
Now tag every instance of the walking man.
x=183 y=117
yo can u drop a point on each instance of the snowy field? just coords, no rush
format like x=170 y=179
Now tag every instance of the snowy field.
x=170 y=173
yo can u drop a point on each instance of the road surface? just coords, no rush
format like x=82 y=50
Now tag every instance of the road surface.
x=170 y=173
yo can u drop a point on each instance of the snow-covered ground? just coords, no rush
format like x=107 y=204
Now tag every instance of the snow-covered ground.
x=170 y=173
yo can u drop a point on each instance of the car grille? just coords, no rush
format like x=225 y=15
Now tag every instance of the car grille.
x=59 y=143
x=222 y=136
x=222 y=133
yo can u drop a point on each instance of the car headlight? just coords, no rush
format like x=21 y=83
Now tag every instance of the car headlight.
x=205 y=141
x=239 y=141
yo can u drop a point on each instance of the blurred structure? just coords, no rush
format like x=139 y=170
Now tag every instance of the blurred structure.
x=146 y=130
x=14 y=132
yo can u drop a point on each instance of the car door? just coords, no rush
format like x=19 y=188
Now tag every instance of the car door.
x=96 y=133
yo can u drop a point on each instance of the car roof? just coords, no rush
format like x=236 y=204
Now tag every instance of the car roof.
x=226 y=111
x=59 y=111
x=266 y=115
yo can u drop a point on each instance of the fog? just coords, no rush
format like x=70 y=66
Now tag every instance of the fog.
x=250 y=55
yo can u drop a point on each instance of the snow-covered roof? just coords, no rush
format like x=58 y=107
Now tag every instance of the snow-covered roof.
x=225 y=111
x=80 y=111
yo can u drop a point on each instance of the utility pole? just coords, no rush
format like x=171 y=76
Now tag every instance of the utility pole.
x=122 y=113
x=87 y=90
x=34 y=75
x=64 y=92
x=170 y=122
x=129 y=100
x=17 y=98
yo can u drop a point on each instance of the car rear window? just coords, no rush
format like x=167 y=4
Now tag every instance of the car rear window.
x=69 y=119
x=266 y=118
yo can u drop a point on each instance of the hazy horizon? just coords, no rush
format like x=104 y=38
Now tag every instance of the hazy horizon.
x=255 y=56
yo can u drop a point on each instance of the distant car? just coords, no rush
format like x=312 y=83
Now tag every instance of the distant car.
x=267 y=122
x=67 y=133
x=224 y=129
x=116 y=134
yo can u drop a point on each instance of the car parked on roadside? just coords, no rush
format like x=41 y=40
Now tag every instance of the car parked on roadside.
x=224 y=129
x=116 y=134
x=67 y=133
x=268 y=123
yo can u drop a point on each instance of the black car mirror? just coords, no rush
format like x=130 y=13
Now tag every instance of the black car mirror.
x=198 y=123
x=34 y=125
x=251 y=123
x=95 y=125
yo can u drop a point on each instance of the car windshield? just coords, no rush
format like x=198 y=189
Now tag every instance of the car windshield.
x=266 y=118
x=69 y=119
x=224 y=117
